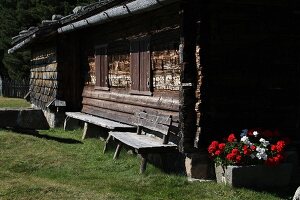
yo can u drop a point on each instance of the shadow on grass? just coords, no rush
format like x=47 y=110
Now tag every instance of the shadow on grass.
x=36 y=133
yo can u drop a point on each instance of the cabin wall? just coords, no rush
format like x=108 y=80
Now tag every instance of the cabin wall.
x=251 y=69
x=44 y=78
x=56 y=80
x=162 y=29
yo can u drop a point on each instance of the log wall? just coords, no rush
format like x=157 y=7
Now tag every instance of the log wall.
x=118 y=104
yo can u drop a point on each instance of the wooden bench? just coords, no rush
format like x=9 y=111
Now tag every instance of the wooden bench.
x=142 y=142
x=93 y=124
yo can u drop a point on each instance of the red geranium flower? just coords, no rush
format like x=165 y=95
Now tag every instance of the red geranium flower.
x=280 y=157
x=213 y=147
x=247 y=152
x=218 y=152
x=230 y=156
x=215 y=144
x=231 y=138
x=280 y=146
x=235 y=152
x=238 y=159
x=222 y=146
x=253 y=148
x=273 y=148
x=242 y=151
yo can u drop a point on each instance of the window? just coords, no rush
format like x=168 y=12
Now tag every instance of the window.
x=119 y=65
x=166 y=69
x=102 y=82
x=141 y=75
x=132 y=67
x=90 y=78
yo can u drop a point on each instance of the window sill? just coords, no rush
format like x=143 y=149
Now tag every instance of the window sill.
x=142 y=93
x=101 y=88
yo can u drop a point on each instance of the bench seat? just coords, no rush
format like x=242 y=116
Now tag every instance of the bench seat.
x=142 y=143
x=92 y=124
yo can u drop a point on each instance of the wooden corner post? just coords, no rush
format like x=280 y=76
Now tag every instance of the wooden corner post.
x=187 y=98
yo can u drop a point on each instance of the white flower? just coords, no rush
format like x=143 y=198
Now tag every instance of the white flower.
x=261 y=153
x=245 y=139
x=264 y=142
x=255 y=133
x=260 y=150
x=262 y=156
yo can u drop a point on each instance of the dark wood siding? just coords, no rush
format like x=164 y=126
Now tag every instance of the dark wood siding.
x=250 y=69
x=145 y=65
x=135 y=65
x=101 y=67
x=141 y=66
x=70 y=71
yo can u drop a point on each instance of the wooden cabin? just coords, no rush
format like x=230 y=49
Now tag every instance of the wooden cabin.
x=215 y=66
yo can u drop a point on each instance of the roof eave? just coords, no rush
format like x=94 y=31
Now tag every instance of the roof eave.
x=121 y=11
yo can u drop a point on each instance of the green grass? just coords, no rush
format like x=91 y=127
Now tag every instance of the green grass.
x=13 y=103
x=56 y=165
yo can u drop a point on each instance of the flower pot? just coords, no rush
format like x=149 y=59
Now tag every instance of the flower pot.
x=254 y=175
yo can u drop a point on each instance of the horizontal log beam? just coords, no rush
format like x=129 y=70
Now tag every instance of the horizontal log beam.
x=163 y=103
x=124 y=108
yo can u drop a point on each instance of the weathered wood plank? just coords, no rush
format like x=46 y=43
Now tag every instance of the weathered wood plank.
x=108 y=114
x=161 y=102
x=165 y=120
x=124 y=108
x=141 y=141
x=105 y=123
x=152 y=122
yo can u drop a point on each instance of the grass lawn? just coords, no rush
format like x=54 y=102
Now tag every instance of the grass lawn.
x=58 y=165
x=13 y=103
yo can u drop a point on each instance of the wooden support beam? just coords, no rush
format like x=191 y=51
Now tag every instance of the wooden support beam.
x=187 y=98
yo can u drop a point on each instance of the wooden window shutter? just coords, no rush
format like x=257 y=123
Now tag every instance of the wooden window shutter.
x=101 y=68
x=145 y=66
x=135 y=65
x=141 y=77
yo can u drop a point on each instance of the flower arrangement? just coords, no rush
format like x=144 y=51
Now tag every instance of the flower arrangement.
x=255 y=146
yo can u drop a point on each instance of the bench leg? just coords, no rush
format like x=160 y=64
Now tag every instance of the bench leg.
x=90 y=131
x=118 y=150
x=106 y=143
x=143 y=163
x=71 y=124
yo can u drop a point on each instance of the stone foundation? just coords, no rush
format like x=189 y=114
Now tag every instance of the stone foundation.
x=199 y=166
x=55 y=119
